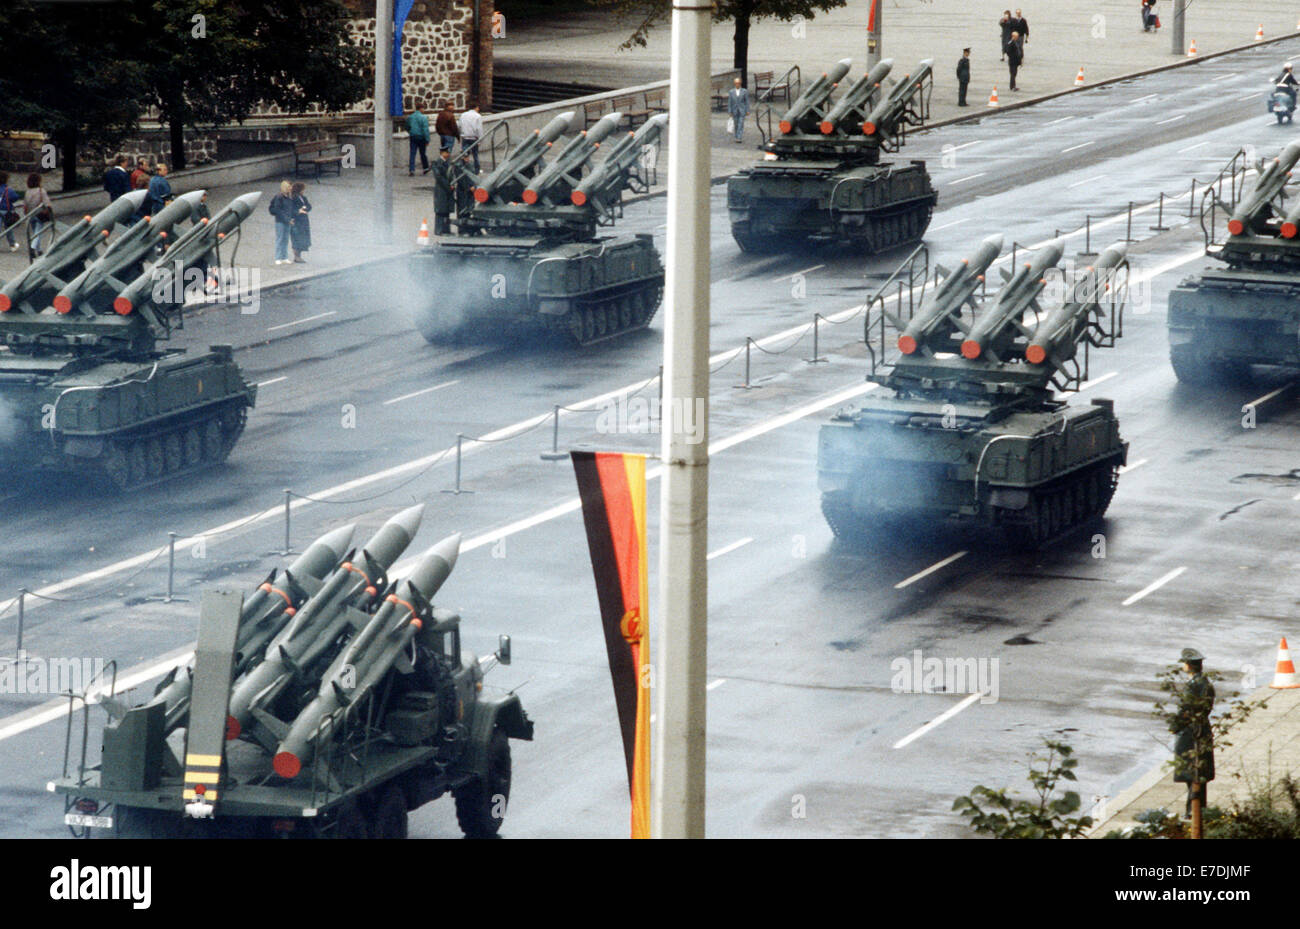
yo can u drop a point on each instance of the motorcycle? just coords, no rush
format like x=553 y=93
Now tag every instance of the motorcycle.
x=1281 y=103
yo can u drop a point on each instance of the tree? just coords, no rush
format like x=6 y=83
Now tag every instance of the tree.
x=211 y=62
x=743 y=12
x=1002 y=816
x=69 y=72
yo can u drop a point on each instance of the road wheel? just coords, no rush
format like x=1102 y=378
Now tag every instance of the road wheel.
x=389 y=821
x=193 y=450
x=481 y=804
x=117 y=467
x=1042 y=530
x=137 y=467
x=351 y=824
x=212 y=444
x=173 y=458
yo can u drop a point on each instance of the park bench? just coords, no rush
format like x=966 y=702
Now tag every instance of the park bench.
x=634 y=111
x=768 y=91
x=595 y=110
x=656 y=101
x=719 y=89
x=321 y=154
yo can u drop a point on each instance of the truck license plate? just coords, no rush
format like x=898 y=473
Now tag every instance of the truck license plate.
x=84 y=819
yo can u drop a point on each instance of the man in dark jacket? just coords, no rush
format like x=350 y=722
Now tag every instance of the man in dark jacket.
x=963 y=76
x=1008 y=26
x=1194 y=742
x=1021 y=25
x=1013 y=58
x=160 y=191
x=1287 y=81
x=116 y=180
x=442 y=193
x=447 y=128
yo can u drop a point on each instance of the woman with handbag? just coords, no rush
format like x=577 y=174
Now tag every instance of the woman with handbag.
x=300 y=226
x=36 y=204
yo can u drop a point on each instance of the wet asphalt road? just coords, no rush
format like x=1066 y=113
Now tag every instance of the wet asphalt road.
x=802 y=632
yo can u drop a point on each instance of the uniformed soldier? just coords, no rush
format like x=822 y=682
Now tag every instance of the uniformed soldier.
x=465 y=181
x=442 y=193
x=1194 y=745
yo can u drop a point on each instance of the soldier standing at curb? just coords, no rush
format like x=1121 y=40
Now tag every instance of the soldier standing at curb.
x=1194 y=745
x=963 y=76
x=442 y=196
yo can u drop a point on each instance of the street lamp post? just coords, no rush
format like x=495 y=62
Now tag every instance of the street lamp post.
x=383 y=168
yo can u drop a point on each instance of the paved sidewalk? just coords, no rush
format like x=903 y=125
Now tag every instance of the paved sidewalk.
x=1263 y=748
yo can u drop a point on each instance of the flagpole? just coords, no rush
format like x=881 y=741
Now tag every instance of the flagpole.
x=383 y=158
x=677 y=751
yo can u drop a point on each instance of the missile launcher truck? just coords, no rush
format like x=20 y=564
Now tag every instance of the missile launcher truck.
x=1223 y=320
x=822 y=181
x=966 y=429
x=84 y=387
x=328 y=702
x=527 y=255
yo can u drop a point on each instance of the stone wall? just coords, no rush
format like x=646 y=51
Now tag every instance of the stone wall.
x=20 y=152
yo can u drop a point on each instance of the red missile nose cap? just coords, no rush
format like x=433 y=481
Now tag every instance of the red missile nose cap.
x=971 y=349
x=1236 y=226
x=287 y=765
x=1036 y=354
x=579 y=198
x=480 y=195
x=122 y=306
x=786 y=127
x=827 y=127
x=530 y=196
x=1288 y=230
x=233 y=729
x=5 y=303
x=200 y=789
x=62 y=304
x=868 y=128
x=906 y=344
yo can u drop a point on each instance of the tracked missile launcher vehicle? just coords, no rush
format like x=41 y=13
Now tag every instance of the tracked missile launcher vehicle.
x=327 y=702
x=823 y=181
x=84 y=387
x=528 y=254
x=1247 y=312
x=966 y=428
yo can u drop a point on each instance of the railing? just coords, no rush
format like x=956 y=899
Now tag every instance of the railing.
x=23 y=227
x=490 y=152
x=912 y=274
x=790 y=84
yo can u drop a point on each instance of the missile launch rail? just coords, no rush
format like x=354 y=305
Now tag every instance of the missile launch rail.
x=1222 y=320
x=527 y=253
x=84 y=387
x=328 y=702
x=966 y=429
x=822 y=181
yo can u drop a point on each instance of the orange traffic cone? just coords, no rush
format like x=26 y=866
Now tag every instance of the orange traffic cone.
x=1259 y=33
x=1284 y=677
x=1191 y=52
x=422 y=237
x=993 y=98
x=1078 y=78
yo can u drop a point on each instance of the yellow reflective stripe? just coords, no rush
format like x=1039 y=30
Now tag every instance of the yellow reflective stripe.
x=191 y=795
x=203 y=761
x=202 y=777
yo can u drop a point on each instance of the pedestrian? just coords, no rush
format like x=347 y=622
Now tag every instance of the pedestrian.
x=442 y=193
x=37 y=205
x=140 y=176
x=1021 y=25
x=281 y=208
x=738 y=108
x=445 y=126
x=9 y=217
x=471 y=130
x=1148 y=15
x=1194 y=742
x=1008 y=26
x=417 y=126
x=116 y=179
x=300 y=225
x=1013 y=58
x=464 y=180
x=1287 y=81
x=963 y=76
x=160 y=191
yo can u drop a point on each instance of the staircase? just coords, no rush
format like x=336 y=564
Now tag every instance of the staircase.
x=516 y=93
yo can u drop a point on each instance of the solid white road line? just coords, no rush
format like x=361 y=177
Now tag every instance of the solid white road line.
x=1172 y=119
x=790 y=277
x=1269 y=396
x=955 y=222
x=1061 y=120
x=1088 y=385
x=966 y=145
x=1075 y=148
x=962 y=180
x=274 y=380
x=937 y=721
x=728 y=549
x=299 y=322
x=1133 y=467
x=1154 y=585
x=420 y=393
x=1099 y=177
x=1192 y=148
x=714 y=685
x=1147 y=97
x=938 y=565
